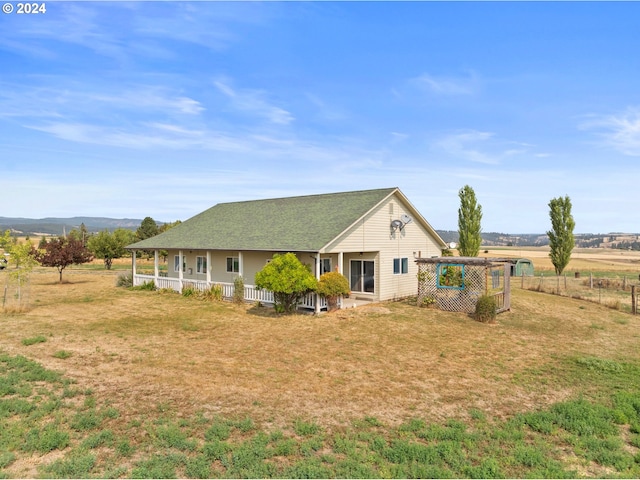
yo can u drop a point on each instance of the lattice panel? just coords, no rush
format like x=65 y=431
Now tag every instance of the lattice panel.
x=452 y=299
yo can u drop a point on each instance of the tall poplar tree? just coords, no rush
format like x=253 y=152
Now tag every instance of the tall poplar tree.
x=561 y=239
x=469 y=223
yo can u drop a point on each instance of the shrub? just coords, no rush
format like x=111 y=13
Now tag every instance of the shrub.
x=332 y=285
x=189 y=290
x=125 y=280
x=288 y=279
x=238 y=290
x=214 y=293
x=486 y=309
x=148 y=285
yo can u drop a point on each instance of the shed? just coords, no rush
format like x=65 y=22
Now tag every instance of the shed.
x=521 y=267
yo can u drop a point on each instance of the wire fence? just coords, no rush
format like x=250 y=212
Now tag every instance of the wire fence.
x=15 y=294
x=617 y=292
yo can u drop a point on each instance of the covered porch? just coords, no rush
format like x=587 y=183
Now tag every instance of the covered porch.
x=202 y=269
x=251 y=293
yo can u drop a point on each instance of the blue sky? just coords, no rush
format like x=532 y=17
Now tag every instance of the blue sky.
x=163 y=109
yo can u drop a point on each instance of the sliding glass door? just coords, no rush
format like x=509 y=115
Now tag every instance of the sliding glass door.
x=362 y=276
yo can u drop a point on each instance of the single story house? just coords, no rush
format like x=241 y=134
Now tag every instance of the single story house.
x=370 y=236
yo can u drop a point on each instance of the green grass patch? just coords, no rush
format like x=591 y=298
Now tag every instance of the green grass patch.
x=76 y=465
x=305 y=429
x=33 y=340
x=62 y=354
x=37 y=417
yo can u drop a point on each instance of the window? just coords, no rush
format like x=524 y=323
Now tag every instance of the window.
x=325 y=265
x=450 y=275
x=362 y=276
x=176 y=263
x=400 y=265
x=201 y=264
x=233 y=265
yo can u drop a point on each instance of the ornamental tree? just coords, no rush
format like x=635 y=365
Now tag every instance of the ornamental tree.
x=108 y=246
x=288 y=279
x=61 y=252
x=333 y=285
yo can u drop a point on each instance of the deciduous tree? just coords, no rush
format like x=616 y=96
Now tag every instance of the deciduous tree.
x=561 y=239
x=469 y=223
x=21 y=258
x=109 y=246
x=61 y=252
x=288 y=279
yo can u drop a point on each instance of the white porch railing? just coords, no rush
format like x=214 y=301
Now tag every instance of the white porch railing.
x=251 y=293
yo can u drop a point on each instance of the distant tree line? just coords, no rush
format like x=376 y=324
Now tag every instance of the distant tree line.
x=77 y=247
x=624 y=245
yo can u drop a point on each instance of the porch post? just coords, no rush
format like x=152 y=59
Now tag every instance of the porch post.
x=317 y=303
x=180 y=272
x=155 y=265
x=133 y=264
x=240 y=265
x=208 y=267
x=340 y=262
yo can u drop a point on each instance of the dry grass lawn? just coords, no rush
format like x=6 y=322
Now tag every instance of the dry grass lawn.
x=149 y=350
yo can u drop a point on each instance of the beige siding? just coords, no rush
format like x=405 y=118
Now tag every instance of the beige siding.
x=373 y=235
x=252 y=263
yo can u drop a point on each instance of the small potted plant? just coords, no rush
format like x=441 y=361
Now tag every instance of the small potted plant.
x=333 y=285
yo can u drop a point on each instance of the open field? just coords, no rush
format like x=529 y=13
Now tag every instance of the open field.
x=155 y=357
x=585 y=260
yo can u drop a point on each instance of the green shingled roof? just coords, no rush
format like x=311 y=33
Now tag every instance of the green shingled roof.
x=305 y=223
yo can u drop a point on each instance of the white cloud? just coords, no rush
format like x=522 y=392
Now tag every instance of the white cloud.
x=621 y=132
x=253 y=101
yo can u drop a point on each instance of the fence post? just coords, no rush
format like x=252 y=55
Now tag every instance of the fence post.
x=591 y=280
x=522 y=280
x=634 y=302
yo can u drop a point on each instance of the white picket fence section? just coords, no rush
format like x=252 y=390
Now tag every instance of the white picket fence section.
x=251 y=293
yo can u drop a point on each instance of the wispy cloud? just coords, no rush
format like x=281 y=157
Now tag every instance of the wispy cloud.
x=466 y=146
x=254 y=102
x=621 y=131
x=486 y=148
x=44 y=98
x=134 y=30
x=446 y=85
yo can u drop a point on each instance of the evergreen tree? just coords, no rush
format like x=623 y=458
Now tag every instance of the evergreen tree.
x=148 y=228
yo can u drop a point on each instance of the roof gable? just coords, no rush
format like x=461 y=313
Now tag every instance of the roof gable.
x=305 y=223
